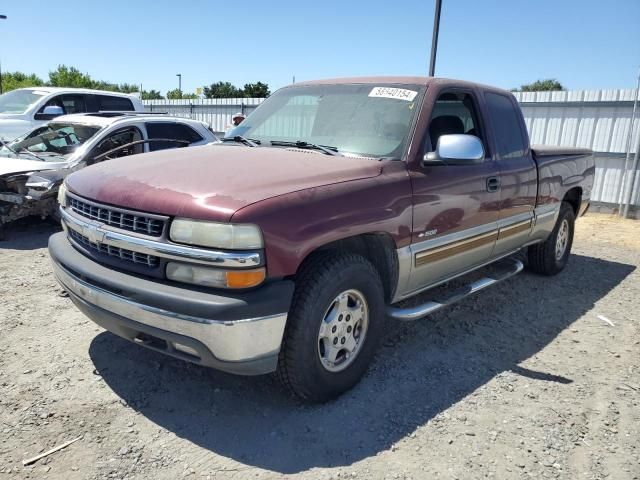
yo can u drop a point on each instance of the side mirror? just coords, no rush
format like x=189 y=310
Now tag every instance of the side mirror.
x=457 y=149
x=50 y=112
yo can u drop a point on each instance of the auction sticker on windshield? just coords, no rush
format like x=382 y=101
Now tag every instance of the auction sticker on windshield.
x=392 y=92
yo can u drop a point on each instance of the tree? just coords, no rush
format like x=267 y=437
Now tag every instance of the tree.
x=222 y=90
x=13 y=80
x=549 y=84
x=256 y=90
x=151 y=95
x=175 y=94
x=70 y=77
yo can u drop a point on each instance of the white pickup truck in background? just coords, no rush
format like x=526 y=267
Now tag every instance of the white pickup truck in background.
x=23 y=109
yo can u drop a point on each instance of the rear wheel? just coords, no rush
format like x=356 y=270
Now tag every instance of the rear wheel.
x=334 y=326
x=551 y=256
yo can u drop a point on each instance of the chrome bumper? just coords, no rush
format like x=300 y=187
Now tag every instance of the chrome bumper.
x=246 y=346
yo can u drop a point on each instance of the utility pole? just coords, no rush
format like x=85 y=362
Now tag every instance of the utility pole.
x=2 y=17
x=628 y=176
x=434 y=39
x=179 y=75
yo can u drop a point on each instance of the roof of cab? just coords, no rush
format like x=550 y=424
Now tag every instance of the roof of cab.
x=102 y=121
x=80 y=90
x=398 y=80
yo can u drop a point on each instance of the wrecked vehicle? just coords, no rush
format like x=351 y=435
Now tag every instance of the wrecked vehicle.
x=33 y=166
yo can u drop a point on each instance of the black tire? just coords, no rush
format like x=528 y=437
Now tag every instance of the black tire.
x=325 y=276
x=542 y=256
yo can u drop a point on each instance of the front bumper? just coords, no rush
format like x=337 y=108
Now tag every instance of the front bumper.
x=238 y=333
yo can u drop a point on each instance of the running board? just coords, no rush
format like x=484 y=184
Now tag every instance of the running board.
x=414 y=313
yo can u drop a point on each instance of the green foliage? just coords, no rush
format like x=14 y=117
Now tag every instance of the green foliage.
x=549 y=84
x=228 y=90
x=222 y=90
x=13 y=80
x=151 y=95
x=175 y=94
x=63 y=76
x=256 y=90
x=70 y=77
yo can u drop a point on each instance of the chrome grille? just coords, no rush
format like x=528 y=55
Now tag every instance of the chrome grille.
x=117 y=252
x=115 y=218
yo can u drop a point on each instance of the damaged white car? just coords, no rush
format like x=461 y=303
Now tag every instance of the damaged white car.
x=33 y=166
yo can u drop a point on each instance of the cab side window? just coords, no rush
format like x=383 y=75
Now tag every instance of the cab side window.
x=121 y=138
x=73 y=104
x=453 y=113
x=170 y=131
x=506 y=124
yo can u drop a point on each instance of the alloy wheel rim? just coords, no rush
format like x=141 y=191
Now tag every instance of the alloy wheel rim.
x=343 y=330
x=562 y=239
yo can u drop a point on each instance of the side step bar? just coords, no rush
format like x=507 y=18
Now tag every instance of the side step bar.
x=414 y=313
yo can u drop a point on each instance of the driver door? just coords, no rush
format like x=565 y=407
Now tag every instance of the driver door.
x=456 y=207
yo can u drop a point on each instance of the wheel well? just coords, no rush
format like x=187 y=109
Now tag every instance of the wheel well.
x=378 y=248
x=574 y=197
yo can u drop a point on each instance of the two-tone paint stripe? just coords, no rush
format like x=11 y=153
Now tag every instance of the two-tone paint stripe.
x=476 y=241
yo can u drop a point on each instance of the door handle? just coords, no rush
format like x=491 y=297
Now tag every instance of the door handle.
x=493 y=184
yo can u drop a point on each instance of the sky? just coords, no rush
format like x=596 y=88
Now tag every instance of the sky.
x=585 y=44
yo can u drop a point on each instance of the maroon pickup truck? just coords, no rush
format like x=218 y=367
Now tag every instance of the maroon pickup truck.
x=288 y=246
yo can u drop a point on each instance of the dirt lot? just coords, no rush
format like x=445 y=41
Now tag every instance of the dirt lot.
x=535 y=378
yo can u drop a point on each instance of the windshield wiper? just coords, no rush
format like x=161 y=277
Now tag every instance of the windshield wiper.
x=240 y=139
x=17 y=152
x=302 y=144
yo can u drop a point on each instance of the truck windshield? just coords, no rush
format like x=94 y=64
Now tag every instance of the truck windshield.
x=18 y=101
x=51 y=142
x=353 y=119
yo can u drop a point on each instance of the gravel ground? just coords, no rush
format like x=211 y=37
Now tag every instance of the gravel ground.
x=534 y=378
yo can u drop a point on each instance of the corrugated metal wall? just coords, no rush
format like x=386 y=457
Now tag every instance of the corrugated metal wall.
x=216 y=112
x=596 y=119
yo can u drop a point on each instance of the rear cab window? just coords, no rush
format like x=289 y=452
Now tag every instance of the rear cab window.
x=170 y=131
x=107 y=103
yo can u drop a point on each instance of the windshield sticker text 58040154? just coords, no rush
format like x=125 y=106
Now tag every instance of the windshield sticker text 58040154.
x=391 y=92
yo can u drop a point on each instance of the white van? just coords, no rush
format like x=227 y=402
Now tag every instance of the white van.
x=23 y=109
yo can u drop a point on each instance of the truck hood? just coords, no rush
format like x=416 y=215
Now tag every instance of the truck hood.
x=212 y=182
x=18 y=165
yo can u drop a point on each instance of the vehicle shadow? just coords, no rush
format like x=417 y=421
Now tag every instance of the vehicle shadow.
x=423 y=368
x=27 y=234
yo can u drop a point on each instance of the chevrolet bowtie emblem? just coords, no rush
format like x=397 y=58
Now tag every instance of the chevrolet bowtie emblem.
x=94 y=233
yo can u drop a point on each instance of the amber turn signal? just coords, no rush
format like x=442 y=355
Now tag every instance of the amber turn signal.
x=245 y=278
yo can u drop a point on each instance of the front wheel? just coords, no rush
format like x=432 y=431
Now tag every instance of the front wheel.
x=334 y=326
x=551 y=256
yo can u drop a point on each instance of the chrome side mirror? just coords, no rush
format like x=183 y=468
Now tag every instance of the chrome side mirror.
x=456 y=149
x=53 y=110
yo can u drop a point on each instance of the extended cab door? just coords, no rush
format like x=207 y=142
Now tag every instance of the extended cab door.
x=456 y=207
x=518 y=174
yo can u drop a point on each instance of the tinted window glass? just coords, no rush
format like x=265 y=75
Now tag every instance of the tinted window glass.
x=73 y=104
x=172 y=131
x=120 y=138
x=107 y=103
x=453 y=113
x=506 y=124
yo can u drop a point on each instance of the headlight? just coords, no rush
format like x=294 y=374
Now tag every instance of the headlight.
x=62 y=194
x=214 y=277
x=216 y=235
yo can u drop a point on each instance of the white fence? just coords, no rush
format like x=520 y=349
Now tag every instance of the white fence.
x=596 y=119
x=217 y=112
